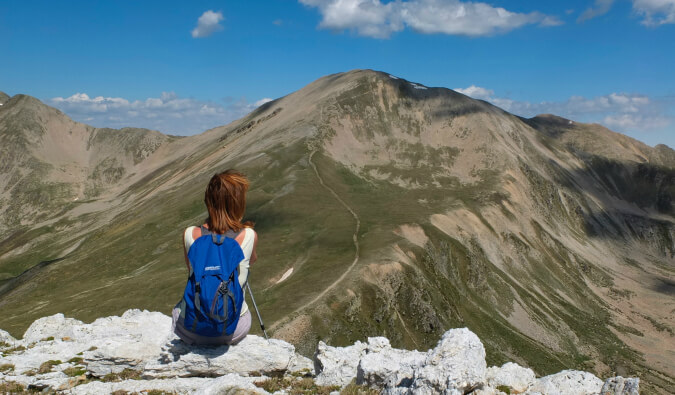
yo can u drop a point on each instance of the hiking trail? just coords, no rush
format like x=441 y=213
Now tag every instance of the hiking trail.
x=349 y=269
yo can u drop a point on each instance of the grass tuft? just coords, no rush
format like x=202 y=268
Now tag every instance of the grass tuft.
x=504 y=388
x=47 y=366
x=12 y=388
x=75 y=360
x=126 y=374
x=295 y=386
x=75 y=371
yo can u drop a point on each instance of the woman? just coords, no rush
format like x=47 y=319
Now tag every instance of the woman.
x=225 y=200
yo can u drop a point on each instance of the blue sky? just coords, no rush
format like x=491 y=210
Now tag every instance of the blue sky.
x=183 y=67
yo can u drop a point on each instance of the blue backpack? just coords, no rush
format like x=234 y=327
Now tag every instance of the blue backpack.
x=213 y=295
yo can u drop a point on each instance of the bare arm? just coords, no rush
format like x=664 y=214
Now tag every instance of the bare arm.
x=187 y=262
x=254 y=255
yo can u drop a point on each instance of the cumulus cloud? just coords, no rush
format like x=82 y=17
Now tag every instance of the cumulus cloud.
x=477 y=92
x=207 y=24
x=372 y=18
x=618 y=111
x=655 y=12
x=600 y=7
x=168 y=113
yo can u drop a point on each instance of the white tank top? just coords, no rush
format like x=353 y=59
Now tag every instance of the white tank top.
x=246 y=247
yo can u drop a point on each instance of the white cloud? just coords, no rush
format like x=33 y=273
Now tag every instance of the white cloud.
x=477 y=92
x=655 y=12
x=207 y=24
x=636 y=122
x=168 y=113
x=372 y=18
x=600 y=7
x=619 y=111
x=263 y=101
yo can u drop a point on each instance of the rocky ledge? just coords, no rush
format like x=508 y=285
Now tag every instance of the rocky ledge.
x=137 y=353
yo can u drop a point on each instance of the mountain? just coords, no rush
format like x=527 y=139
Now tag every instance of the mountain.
x=50 y=162
x=383 y=207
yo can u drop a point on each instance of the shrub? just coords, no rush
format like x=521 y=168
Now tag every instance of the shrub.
x=7 y=367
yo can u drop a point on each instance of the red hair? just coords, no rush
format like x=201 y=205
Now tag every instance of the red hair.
x=225 y=199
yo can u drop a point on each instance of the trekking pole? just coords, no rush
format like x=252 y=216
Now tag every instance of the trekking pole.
x=255 y=306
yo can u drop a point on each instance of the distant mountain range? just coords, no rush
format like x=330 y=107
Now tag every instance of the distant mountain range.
x=383 y=207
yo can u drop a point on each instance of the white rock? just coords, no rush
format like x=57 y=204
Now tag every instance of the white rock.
x=301 y=364
x=253 y=355
x=231 y=384
x=222 y=385
x=455 y=365
x=125 y=342
x=621 y=386
x=5 y=337
x=511 y=375
x=38 y=353
x=386 y=367
x=337 y=365
x=568 y=382
x=56 y=326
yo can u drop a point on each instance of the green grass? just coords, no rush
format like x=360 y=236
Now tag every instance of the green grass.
x=295 y=386
x=504 y=388
x=126 y=374
x=47 y=366
x=12 y=388
x=74 y=371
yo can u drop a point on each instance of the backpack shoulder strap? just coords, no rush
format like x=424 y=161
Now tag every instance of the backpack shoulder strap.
x=217 y=239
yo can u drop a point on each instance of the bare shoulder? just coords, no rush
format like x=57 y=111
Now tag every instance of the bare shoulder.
x=191 y=234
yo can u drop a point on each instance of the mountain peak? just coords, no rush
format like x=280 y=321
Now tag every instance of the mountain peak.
x=3 y=98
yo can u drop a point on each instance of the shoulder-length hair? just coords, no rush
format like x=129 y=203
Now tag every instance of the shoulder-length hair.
x=225 y=200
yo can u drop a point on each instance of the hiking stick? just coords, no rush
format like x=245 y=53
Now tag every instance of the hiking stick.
x=255 y=306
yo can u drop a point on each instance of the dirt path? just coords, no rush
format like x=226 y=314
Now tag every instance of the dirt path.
x=356 y=248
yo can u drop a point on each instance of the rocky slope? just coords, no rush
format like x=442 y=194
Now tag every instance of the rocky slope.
x=50 y=163
x=138 y=353
x=385 y=207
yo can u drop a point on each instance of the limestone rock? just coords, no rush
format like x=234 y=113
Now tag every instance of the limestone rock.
x=143 y=341
x=253 y=355
x=511 y=375
x=5 y=337
x=621 y=386
x=301 y=364
x=229 y=384
x=455 y=365
x=337 y=365
x=56 y=326
x=386 y=367
x=568 y=382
